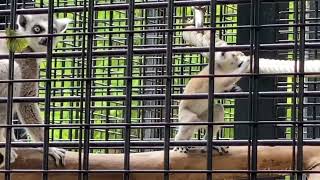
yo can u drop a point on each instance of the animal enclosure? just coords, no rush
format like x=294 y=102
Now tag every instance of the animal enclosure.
x=114 y=81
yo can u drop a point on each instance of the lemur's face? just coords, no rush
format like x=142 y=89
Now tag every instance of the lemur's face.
x=231 y=60
x=38 y=24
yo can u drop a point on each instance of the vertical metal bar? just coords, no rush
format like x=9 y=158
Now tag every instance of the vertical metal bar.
x=82 y=84
x=48 y=91
x=169 y=55
x=315 y=130
x=301 y=90
x=10 y=95
x=88 y=90
x=254 y=49
x=211 y=87
x=128 y=102
x=251 y=84
x=294 y=86
x=109 y=70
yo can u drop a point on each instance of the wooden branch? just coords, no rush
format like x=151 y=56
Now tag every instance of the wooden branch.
x=269 y=158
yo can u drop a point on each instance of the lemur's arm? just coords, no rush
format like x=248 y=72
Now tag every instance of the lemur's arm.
x=201 y=40
x=265 y=65
x=199 y=12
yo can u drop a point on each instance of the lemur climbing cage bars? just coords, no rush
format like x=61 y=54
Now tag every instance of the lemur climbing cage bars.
x=118 y=74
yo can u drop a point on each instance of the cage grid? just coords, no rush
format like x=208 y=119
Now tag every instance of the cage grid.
x=108 y=91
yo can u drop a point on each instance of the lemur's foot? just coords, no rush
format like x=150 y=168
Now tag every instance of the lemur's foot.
x=13 y=156
x=220 y=149
x=182 y=149
x=58 y=154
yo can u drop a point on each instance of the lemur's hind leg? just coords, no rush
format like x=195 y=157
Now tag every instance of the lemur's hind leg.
x=218 y=117
x=185 y=132
x=29 y=113
x=3 y=119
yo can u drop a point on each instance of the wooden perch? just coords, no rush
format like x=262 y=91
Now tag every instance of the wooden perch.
x=269 y=158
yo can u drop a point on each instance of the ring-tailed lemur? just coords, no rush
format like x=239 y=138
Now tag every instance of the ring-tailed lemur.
x=28 y=68
x=196 y=110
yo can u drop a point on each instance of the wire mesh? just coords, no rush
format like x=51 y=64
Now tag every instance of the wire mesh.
x=115 y=74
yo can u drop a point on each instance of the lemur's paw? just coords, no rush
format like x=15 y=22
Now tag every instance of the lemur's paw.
x=13 y=156
x=182 y=149
x=221 y=149
x=58 y=154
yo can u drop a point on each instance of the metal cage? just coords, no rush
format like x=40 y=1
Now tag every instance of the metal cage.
x=117 y=74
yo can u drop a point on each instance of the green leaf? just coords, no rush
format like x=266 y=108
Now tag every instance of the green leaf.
x=15 y=44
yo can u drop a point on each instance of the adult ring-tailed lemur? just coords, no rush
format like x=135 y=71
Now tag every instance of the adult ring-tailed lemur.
x=196 y=110
x=28 y=68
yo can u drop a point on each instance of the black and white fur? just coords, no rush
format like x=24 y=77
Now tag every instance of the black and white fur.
x=28 y=112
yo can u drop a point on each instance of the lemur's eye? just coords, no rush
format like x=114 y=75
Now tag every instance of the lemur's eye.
x=222 y=53
x=37 y=29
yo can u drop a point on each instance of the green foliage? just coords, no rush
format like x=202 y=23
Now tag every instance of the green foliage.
x=15 y=44
x=110 y=27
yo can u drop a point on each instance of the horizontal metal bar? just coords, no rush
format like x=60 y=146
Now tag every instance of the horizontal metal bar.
x=271 y=94
x=96 y=171
x=152 y=51
x=125 y=6
x=111 y=143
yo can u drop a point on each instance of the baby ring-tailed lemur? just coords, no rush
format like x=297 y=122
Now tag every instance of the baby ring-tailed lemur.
x=196 y=110
x=28 y=68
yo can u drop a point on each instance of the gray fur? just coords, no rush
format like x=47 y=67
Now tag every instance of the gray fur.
x=28 y=112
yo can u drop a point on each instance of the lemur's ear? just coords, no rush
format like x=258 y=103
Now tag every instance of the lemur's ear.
x=22 y=20
x=63 y=24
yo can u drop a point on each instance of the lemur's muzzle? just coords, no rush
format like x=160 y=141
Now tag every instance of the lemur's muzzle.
x=240 y=64
x=43 y=41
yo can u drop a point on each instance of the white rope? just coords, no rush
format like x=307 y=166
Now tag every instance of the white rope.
x=266 y=66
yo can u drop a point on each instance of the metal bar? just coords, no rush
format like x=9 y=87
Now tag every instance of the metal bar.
x=168 y=98
x=301 y=91
x=10 y=94
x=211 y=88
x=48 y=91
x=154 y=51
x=253 y=85
x=88 y=90
x=82 y=108
x=294 y=88
x=128 y=92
